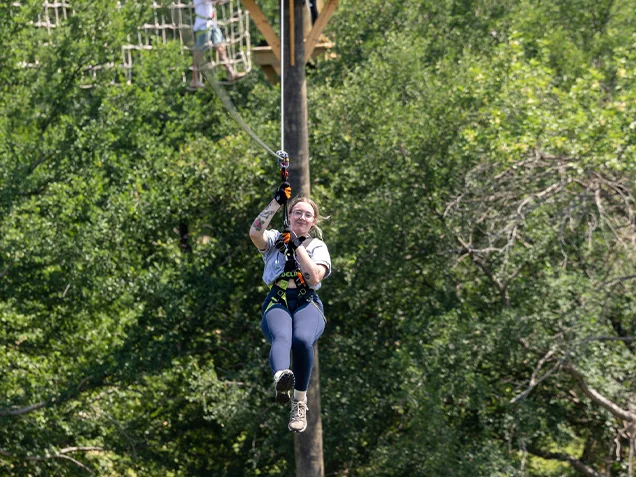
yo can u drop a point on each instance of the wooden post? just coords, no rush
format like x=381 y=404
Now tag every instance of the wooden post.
x=308 y=445
x=292 y=59
x=295 y=128
x=268 y=58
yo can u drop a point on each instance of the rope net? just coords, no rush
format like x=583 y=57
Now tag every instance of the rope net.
x=233 y=23
x=188 y=38
x=167 y=23
x=175 y=22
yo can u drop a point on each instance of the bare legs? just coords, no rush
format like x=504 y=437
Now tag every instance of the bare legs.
x=198 y=58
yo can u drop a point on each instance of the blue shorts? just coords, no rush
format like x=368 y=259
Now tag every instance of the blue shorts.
x=204 y=37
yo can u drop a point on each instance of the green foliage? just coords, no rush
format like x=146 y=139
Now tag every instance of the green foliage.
x=477 y=161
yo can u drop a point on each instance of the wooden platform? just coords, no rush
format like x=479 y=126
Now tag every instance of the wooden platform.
x=265 y=58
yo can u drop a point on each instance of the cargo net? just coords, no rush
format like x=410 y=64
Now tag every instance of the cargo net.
x=172 y=22
x=52 y=15
x=223 y=48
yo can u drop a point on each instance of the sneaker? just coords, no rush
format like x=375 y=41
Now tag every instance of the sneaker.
x=238 y=75
x=298 y=416
x=233 y=77
x=283 y=386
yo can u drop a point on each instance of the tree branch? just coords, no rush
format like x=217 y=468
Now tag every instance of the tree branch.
x=562 y=363
x=61 y=454
x=580 y=466
x=597 y=397
x=18 y=411
x=618 y=280
x=534 y=382
x=76 y=462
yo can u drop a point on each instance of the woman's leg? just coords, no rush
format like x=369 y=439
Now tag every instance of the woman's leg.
x=277 y=328
x=308 y=325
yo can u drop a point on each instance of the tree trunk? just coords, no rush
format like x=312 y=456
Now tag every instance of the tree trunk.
x=295 y=98
x=308 y=445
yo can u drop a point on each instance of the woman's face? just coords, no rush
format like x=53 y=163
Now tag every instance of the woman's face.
x=301 y=219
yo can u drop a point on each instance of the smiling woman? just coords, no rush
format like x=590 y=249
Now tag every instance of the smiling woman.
x=292 y=313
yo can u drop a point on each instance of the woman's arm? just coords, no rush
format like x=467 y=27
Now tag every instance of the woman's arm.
x=257 y=230
x=312 y=273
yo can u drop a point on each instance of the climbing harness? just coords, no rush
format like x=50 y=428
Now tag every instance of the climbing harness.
x=280 y=291
x=291 y=271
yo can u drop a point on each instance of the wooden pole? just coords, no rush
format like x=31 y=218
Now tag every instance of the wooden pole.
x=295 y=128
x=308 y=448
x=292 y=59
x=308 y=445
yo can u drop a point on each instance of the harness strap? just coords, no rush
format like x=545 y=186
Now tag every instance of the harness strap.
x=280 y=295
x=291 y=271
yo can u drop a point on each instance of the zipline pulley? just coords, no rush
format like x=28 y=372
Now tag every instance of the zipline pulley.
x=283 y=161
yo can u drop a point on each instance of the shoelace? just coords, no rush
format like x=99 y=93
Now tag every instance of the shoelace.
x=298 y=411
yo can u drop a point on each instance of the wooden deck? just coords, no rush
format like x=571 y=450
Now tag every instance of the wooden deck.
x=265 y=58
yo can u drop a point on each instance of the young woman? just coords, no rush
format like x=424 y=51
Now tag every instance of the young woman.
x=292 y=314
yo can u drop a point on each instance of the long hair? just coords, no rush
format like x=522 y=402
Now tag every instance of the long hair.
x=315 y=231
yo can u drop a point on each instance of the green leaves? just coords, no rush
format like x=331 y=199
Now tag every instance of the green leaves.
x=476 y=159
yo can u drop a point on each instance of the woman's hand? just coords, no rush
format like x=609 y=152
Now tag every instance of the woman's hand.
x=283 y=193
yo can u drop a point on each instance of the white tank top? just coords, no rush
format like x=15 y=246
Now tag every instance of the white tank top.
x=205 y=15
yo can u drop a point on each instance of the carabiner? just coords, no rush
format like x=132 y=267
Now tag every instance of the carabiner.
x=283 y=159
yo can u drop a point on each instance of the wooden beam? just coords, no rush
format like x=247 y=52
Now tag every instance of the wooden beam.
x=272 y=73
x=263 y=55
x=318 y=28
x=263 y=26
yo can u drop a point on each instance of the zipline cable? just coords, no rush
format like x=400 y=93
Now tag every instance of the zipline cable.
x=283 y=160
x=282 y=75
x=188 y=40
x=281 y=156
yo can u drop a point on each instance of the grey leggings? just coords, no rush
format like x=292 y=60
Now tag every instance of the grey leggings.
x=294 y=328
